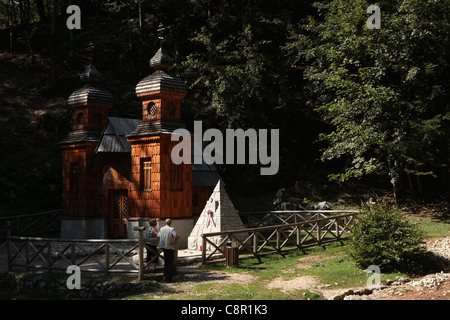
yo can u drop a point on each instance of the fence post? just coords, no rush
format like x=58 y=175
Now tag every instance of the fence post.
x=8 y=228
x=8 y=244
x=278 y=239
x=107 y=258
x=203 y=249
x=73 y=253
x=318 y=233
x=336 y=221
x=27 y=255
x=141 y=249
x=49 y=256
x=255 y=243
x=9 y=253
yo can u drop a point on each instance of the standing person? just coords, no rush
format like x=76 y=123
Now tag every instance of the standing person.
x=168 y=240
x=152 y=233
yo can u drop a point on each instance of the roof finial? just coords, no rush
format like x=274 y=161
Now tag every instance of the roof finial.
x=161 y=34
x=161 y=60
x=91 y=74
x=91 y=52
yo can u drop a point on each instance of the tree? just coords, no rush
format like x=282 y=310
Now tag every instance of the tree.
x=236 y=70
x=385 y=91
x=385 y=237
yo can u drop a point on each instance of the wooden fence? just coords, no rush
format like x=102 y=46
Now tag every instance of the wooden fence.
x=91 y=255
x=31 y=224
x=270 y=218
x=256 y=241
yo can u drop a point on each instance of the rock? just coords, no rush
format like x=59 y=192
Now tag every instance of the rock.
x=322 y=206
x=278 y=199
x=344 y=294
x=286 y=206
x=324 y=286
x=402 y=279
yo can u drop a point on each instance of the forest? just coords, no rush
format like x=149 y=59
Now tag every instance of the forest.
x=359 y=110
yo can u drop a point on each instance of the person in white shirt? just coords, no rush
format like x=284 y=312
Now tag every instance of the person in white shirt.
x=168 y=240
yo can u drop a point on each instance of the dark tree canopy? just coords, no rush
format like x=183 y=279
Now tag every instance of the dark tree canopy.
x=377 y=98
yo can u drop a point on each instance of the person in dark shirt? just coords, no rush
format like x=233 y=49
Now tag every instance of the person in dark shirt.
x=152 y=233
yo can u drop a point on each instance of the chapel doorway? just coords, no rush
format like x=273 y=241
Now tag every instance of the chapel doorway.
x=118 y=213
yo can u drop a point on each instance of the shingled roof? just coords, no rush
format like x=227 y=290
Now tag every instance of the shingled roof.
x=161 y=60
x=89 y=92
x=81 y=136
x=113 y=138
x=160 y=81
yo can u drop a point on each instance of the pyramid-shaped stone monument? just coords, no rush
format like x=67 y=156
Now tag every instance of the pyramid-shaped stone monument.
x=218 y=215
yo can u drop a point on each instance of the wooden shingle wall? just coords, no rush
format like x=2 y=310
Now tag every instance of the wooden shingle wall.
x=160 y=201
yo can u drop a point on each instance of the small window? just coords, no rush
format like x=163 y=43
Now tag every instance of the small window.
x=80 y=118
x=176 y=174
x=151 y=109
x=146 y=174
x=74 y=177
x=171 y=109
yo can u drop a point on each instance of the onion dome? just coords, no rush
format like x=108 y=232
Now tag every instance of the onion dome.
x=91 y=75
x=89 y=92
x=161 y=60
x=160 y=80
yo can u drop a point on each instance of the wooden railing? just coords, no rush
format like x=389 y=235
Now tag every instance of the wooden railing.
x=41 y=223
x=270 y=218
x=261 y=240
x=91 y=255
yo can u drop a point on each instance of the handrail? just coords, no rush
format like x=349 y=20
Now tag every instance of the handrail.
x=212 y=234
x=30 y=215
x=316 y=231
x=31 y=224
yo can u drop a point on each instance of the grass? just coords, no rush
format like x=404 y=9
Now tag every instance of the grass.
x=333 y=266
x=432 y=227
x=255 y=290
x=330 y=264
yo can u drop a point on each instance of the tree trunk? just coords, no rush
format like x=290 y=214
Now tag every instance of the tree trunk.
x=41 y=10
x=410 y=182
x=27 y=26
x=53 y=71
x=71 y=51
x=11 y=22
x=419 y=184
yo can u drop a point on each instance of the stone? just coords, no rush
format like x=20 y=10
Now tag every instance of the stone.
x=402 y=279
x=322 y=206
x=218 y=215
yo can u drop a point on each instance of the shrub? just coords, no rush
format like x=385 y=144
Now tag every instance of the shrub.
x=384 y=237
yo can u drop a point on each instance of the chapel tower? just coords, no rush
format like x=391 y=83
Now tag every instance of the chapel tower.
x=160 y=188
x=90 y=105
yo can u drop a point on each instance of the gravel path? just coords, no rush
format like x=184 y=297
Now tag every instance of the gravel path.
x=434 y=286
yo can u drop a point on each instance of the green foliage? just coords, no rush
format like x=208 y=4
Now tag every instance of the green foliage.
x=384 y=237
x=385 y=91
